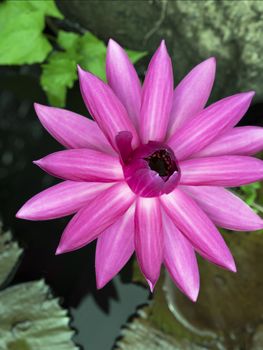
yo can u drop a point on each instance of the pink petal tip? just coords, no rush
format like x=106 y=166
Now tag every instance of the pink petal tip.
x=38 y=107
x=193 y=295
x=100 y=283
x=80 y=70
x=232 y=266
x=163 y=45
x=151 y=285
x=59 y=251
x=37 y=162
x=22 y=213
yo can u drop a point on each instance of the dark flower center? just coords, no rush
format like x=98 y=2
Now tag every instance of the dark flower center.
x=161 y=162
x=151 y=169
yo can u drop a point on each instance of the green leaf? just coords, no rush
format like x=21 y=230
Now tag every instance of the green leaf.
x=93 y=55
x=47 y=7
x=68 y=40
x=135 y=56
x=58 y=75
x=60 y=71
x=21 y=26
x=250 y=192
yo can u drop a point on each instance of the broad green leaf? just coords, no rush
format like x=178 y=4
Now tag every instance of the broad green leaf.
x=58 y=75
x=93 y=55
x=21 y=27
x=93 y=52
x=68 y=41
x=47 y=7
x=60 y=71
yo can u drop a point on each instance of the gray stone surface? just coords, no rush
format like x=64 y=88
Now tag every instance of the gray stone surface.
x=230 y=30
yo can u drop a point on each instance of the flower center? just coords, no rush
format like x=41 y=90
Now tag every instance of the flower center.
x=151 y=169
x=161 y=162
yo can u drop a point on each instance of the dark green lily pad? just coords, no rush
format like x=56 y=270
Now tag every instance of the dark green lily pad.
x=9 y=255
x=31 y=318
x=155 y=327
x=229 y=305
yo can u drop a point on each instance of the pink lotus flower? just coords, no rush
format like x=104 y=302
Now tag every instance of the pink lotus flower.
x=148 y=175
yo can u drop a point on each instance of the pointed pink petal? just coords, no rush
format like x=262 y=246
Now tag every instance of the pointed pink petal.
x=227 y=171
x=149 y=238
x=244 y=140
x=61 y=200
x=82 y=165
x=198 y=228
x=105 y=107
x=114 y=248
x=123 y=80
x=201 y=130
x=94 y=218
x=180 y=259
x=157 y=97
x=224 y=208
x=72 y=130
x=191 y=95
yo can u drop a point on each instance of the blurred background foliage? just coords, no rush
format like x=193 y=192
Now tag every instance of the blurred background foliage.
x=41 y=42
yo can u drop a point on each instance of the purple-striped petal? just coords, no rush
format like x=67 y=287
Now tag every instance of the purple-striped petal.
x=244 y=141
x=96 y=217
x=198 y=228
x=180 y=259
x=224 y=208
x=227 y=171
x=201 y=130
x=191 y=95
x=72 y=130
x=114 y=248
x=157 y=97
x=63 y=199
x=149 y=238
x=123 y=80
x=105 y=107
x=82 y=165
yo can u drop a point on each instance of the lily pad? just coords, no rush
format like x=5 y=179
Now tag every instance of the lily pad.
x=9 y=255
x=155 y=327
x=31 y=318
